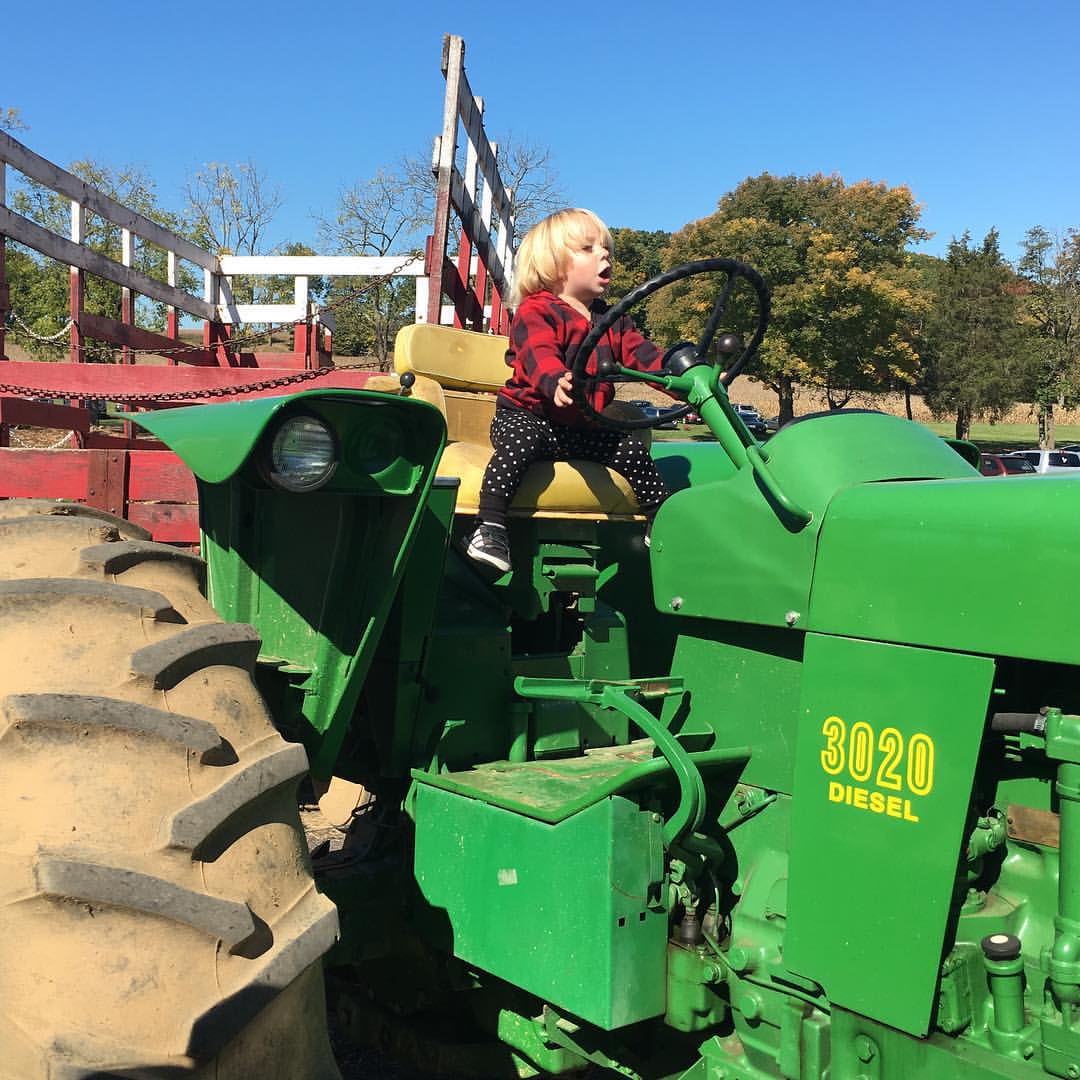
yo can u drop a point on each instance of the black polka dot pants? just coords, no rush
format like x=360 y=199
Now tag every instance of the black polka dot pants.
x=520 y=438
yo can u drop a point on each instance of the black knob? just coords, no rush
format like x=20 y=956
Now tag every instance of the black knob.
x=606 y=367
x=406 y=379
x=729 y=344
x=1000 y=946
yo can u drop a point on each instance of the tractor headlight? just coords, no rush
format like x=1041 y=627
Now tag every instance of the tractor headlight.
x=303 y=454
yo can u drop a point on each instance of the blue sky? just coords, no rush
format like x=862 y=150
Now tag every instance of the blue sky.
x=652 y=111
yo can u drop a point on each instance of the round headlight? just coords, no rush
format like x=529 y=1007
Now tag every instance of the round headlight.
x=303 y=454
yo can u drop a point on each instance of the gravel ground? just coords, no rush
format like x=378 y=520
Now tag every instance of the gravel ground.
x=355 y=1062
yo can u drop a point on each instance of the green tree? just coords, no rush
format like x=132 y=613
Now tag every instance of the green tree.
x=40 y=291
x=835 y=259
x=638 y=256
x=973 y=335
x=1051 y=304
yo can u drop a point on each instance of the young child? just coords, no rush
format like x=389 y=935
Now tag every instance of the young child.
x=562 y=269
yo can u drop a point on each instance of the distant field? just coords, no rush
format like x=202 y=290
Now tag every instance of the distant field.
x=988 y=437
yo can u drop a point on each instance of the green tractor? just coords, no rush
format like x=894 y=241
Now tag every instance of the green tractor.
x=781 y=795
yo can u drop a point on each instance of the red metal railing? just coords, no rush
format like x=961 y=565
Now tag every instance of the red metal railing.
x=134 y=476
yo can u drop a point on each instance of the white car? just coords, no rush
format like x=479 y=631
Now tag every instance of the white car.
x=1050 y=461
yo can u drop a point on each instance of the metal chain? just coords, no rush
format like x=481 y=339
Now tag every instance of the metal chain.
x=184 y=395
x=26 y=331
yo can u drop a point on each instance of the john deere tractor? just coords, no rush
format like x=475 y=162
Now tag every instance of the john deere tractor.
x=789 y=793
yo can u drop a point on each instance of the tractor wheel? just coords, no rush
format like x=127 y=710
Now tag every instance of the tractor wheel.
x=158 y=916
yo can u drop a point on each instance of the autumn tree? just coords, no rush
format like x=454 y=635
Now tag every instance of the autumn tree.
x=638 y=256
x=1050 y=270
x=835 y=259
x=973 y=335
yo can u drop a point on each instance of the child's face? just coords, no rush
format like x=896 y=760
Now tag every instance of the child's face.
x=588 y=270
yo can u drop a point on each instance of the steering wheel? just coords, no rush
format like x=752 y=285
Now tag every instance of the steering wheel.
x=689 y=354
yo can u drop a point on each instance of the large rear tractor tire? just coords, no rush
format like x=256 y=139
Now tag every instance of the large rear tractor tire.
x=158 y=916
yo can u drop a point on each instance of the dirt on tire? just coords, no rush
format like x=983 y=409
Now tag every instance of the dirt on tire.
x=158 y=916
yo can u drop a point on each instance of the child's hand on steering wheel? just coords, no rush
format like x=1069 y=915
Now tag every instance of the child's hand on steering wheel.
x=562 y=396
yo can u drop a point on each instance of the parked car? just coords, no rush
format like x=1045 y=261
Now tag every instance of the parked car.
x=1049 y=461
x=752 y=419
x=1005 y=465
x=659 y=415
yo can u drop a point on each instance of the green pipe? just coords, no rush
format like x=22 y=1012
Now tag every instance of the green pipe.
x=1006 y=978
x=1065 y=955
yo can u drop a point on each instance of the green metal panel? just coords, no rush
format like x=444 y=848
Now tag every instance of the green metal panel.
x=728 y=550
x=569 y=912
x=990 y=566
x=743 y=684
x=683 y=464
x=316 y=573
x=887 y=745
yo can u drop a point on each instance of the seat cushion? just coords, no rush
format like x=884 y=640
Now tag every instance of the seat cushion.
x=455 y=359
x=582 y=489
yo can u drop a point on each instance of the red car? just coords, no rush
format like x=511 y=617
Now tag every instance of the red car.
x=999 y=465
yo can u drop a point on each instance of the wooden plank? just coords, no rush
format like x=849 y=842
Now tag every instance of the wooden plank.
x=1033 y=826
x=41 y=414
x=169 y=523
x=324 y=265
x=467 y=210
x=263 y=313
x=473 y=121
x=116 y=333
x=65 y=183
x=160 y=476
x=148 y=382
x=43 y=474
x=98 y=440
x=465 y=303
x=63 y=250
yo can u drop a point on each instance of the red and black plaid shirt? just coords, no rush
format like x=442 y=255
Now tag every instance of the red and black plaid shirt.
x=544 y=339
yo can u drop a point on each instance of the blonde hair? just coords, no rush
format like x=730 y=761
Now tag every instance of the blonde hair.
x=544 y=254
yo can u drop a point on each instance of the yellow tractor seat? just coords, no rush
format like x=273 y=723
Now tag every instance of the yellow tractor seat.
x=460 y=371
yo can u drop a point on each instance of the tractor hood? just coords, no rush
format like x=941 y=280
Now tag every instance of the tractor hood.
x=976 y=565
x=214 y=441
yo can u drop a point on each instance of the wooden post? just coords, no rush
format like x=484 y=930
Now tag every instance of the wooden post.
x=127 y=297
x=481 y=269
x=465 y=245
x=453 y=63
x=172 y=323
x=215 y=333
x=78 y=236
x=4 y=296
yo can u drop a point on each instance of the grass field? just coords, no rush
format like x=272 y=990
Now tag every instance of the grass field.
x=988 y=437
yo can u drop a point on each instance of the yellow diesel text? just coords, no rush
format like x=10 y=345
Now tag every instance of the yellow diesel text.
x=893 y=766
